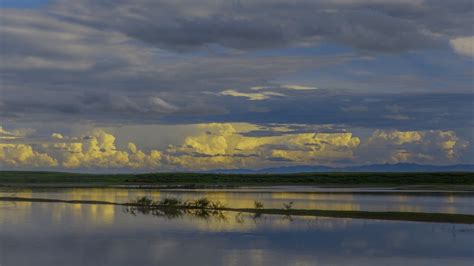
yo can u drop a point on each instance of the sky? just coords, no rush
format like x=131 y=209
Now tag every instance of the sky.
x=186 y=85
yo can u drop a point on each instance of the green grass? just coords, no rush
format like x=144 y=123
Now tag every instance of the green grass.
x=197 y=179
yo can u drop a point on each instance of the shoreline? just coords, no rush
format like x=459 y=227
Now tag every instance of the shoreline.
x=455 y=181
x=318 y=188
x=442 y=181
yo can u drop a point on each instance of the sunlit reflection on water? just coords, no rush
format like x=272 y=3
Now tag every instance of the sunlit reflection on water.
x=237 y=198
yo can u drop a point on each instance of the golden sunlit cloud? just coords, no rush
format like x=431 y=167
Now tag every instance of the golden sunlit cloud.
x=99 y=150
x=24 y=155
x=232 y=146
x=224 y=145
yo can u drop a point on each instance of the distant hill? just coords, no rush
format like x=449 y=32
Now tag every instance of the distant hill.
x=400 y=167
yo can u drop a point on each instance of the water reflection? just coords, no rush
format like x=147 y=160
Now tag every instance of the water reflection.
x=66 y=234
x=242 y=198
x=172 y=213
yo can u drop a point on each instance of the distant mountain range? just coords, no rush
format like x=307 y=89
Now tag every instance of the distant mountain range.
x=400 y=167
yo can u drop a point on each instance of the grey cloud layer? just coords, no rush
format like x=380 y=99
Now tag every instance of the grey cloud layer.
x=384 y=26
x=108 y=75
x=146 y=61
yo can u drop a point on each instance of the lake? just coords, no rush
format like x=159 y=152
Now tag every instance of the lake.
x=34 y=233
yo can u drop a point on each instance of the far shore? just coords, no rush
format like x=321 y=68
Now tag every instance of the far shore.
x=455 y=181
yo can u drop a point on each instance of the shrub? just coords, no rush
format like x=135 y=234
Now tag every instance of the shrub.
x=288 y=206
x=258 y=205
x=201 y=203
x=217 y=205
x=144 y=201
x=172 y=202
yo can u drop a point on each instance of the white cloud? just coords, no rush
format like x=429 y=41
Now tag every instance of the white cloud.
x=251 y=96
x=463 y=45
x=5 y=135
x=299 y=87
x=286 y=86
x=160 y=105
x=256 y=88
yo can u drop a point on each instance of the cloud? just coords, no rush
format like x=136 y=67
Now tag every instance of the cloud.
x=23 y=155
x=57 y=136
x=224 y=146
x=57 y=67
x=288 y=86
x=233 y=145
x=160 y=105
x=34 y=40
x=7 y=135
x=98 y=150
x=16 y=155
x=378 y=65
x=463 y=45
x=251 y=96
x=299 y=87
x=430 y=146
x=418 y=111
x=265 y=92
x=92 y=64
x=94 y=151
x=382 y=26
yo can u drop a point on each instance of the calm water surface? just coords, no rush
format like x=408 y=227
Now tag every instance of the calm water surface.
x=274 y=197
x=83 y=234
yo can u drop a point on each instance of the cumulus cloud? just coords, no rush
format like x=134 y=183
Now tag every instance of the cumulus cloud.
x=430 y=146
x=233 y=145
x=23 y=155
x=94 y=151
x=225 y=146
x=99 y=150
x=463 y=45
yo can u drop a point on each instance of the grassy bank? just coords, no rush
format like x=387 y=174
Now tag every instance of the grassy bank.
x=23 y=177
